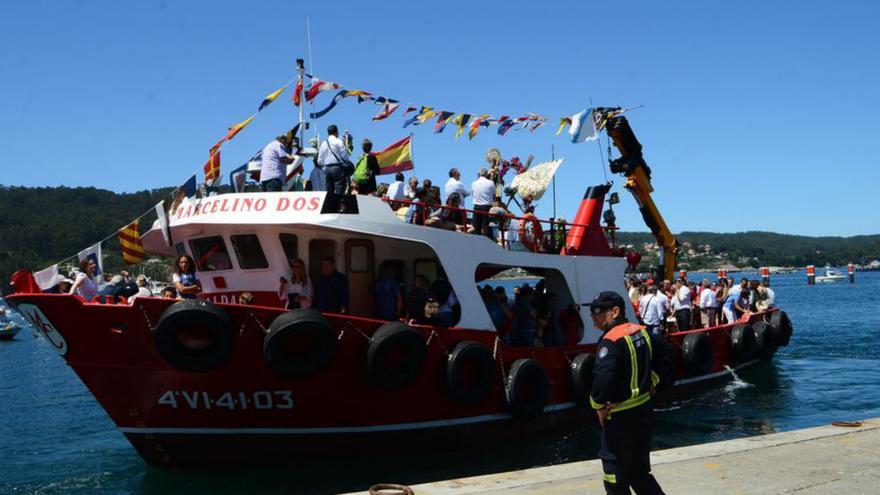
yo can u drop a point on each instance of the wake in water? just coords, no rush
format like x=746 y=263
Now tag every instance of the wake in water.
x=736 y=383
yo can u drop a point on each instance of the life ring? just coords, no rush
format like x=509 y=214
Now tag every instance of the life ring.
x=526 y=389
x=530 y=233
x=696 y=353
x=194 y=335
x=742 y=343
x=299 y=343
x=765 y=337
x=582 y=377
x=470 y=371
x=780 y=321
x=395 y=355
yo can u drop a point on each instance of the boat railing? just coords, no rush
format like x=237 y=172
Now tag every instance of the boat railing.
x=551 y=240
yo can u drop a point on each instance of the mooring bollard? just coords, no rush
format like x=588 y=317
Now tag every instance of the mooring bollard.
x=851 y=270
x=811 y=275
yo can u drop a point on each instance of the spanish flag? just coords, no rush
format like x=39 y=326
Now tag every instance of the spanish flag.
x=132 y=247
x=269 y=99
x=397 y=157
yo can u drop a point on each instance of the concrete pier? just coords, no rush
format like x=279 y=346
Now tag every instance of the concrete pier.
x=825 y=459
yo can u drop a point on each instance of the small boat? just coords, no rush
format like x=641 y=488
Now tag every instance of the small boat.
x=8 y=329
x=831 y=275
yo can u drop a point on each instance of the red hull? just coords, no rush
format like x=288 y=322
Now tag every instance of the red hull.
x=243 y=411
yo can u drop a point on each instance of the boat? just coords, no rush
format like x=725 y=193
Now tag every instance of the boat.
x=8 y=328
x=831 y=275
x=216 y=380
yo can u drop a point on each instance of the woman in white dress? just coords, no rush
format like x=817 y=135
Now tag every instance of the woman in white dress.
x=296 y=288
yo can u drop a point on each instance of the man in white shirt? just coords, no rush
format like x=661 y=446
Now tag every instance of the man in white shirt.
x=454 y=185
x=484 y=194
x=336 y=160
x=708 y=303
x=681 y=304
x=396 y=191
x=273 y=166
x=653 y=310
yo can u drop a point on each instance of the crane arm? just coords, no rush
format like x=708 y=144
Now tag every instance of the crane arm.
x=638 y=182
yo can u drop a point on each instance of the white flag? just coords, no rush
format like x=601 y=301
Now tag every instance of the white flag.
x=162 y=219
x=93 y=253
x=47 y=277
x=583 y=127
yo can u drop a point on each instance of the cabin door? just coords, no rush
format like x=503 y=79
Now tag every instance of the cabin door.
x=318 y=250
x=359 y=269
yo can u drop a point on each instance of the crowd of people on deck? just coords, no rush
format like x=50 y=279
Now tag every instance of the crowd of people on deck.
x=416 y=202
x=691 y=305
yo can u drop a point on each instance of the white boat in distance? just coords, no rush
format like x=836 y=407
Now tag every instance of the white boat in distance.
x=831 y=275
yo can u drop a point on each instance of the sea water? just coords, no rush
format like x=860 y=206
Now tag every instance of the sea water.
x=55 y=438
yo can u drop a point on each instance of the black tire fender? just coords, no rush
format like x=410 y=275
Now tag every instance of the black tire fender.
x=765 y=337
x=780 y=321
x=526 y=389
x=395 y=355
x=696 y=353
x=470 y=372
x=194 y=335
x=298 y=343
x=582 y=377
x=743 y=344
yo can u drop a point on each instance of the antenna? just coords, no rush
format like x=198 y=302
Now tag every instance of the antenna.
x=553 y=157
x=312 y=71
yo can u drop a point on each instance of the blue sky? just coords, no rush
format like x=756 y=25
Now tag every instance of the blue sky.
x=757 y=115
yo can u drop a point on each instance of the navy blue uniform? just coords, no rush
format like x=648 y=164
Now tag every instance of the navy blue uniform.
x=630 y=365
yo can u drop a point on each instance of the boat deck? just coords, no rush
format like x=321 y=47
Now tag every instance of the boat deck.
x=825 y=459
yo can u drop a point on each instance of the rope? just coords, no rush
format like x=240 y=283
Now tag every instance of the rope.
x=428 y=342
x=147 y=318
x=260 y=323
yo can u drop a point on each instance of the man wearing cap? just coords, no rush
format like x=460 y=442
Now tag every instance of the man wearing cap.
x=630 y=366
x=273 y=163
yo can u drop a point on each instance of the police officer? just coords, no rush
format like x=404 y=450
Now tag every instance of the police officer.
x=630 y=366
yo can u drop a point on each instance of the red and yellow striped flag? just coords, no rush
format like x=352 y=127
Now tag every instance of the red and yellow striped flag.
x=397 y=157
x=130 y=240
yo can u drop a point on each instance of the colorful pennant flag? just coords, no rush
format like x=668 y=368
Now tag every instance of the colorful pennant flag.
x=269 y=99
x=537 y=124
x=237 y=128
x=132 y=247
x=298 y=91
x=362 y=95
x=162 y=220
x=212 y=166
x=461 y=121
x=583 y=127
x=475 y=126
x=564 y=121
x=388 y=107
x=416 y=119
x=319 y=86
x=442 y=119
x=505 y=125
x=425 y=115
x=336 y=99
x=410 y=109
x=397 y=157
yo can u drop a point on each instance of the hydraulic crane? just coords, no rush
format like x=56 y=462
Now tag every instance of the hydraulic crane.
x=632 y=164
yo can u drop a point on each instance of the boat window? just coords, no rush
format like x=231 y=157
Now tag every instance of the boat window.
x=530 y=306
x=358 y=258
x=181 y=250
x=248 y=251
x=290 y=245
x=210 y=254
x=426 y=268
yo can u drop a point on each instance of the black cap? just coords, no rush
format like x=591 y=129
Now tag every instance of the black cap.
x=606 y=300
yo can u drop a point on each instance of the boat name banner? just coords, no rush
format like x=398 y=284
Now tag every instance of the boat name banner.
x=273 y=207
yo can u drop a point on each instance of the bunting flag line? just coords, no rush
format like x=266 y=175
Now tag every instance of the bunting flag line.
x=237 y=128
x=397 y=157
x=583 y=127
x=564 y=121
x=425 y=115
x=132 y=247
x=336 y=99
x=410 y=109
x=361 y=94
x=388 y=107
x=269 y=99
x=537 y=124
x=319 y=86
x=298 y=91
x=505 y=126
x=93 y=253
x=162 y=219
x=475 y=126
x=442 y=119
x=461 y=121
